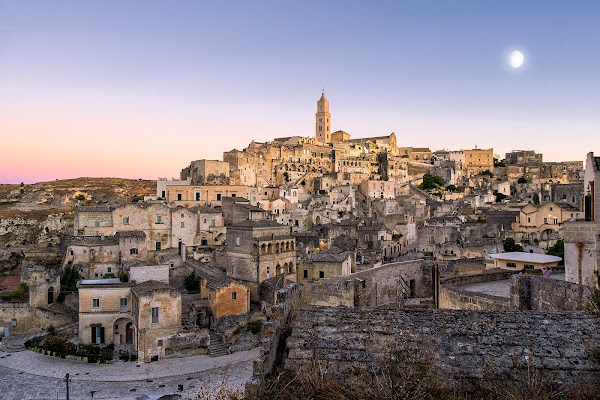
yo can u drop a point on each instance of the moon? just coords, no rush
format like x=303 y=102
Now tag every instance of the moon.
x=516 y=59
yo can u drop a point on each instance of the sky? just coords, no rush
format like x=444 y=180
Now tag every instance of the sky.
x=138 y=89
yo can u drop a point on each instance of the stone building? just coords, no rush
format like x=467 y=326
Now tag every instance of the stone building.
x=202 y=172
x=323 y=120
x=221 y=295
x=156 y=315
x=324 y=264
x=258 y=250
x=582 y=237
x=105 y=312
x=523 y=157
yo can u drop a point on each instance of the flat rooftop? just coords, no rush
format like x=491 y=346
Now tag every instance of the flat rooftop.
x=526 y=257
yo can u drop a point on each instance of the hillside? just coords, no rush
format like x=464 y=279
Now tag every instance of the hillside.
x=33 y=217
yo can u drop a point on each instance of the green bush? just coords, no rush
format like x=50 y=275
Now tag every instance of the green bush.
x=255 y=326
x=191 y=282
x=510 y=245
x=19 y=294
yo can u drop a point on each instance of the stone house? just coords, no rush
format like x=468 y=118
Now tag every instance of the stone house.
x=156 y=315
x=139 y=317
x=105 y=312
x=378 y=189
x=258 y=250
x=205 y=195
x=324 y=264
x=543 y=223
x=582 y=237
x=221 y=295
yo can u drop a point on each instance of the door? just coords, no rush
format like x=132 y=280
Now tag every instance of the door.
x=50 y=295
x=129 y=333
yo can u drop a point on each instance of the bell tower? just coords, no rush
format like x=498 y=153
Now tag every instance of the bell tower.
x=323 y=125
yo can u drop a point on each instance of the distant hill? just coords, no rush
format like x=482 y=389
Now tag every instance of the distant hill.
x=33 y=217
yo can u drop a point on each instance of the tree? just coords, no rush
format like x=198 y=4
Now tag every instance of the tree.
x=432 y=181
x=499 y=196
x=510 y=245
x=488 y=173
x=536 y=199
x=69 y=278
x=522 y=180
x=558 y=250
x=451 y=188
x=191 y=282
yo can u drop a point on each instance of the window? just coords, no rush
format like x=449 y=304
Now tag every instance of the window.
x=158 y=236
x=133 y=251
x=96 y=224
x=197 y=196
x=204 y=220
x=160 y=344
x=233 y=195
x=109 y=269
x=528 y=219
x=95 y=303
x=529 y=266
x=555 y=221
x=163 y=194
x=233 y=296
x=305 y=274
x=545 y=220
x=321 y=274
x=183 y=224
x=125 y=220
x=268 y=272
x=123 y=304
x=179 y=196
x=218 y=196
x=159 y=219
x=158 y=245
x=550 y=208
x=155 y=315
x=71 y=251
x=237 y=241
x=511 y=264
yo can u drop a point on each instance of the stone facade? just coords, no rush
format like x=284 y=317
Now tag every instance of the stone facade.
x=156 y=315
x=259 y=250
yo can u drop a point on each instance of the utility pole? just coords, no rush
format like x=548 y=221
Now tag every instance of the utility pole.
x=67 y=383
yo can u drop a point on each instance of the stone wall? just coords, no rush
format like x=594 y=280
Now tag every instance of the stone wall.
x=276 y=330
x=332 y=292
x=30 y=319
x=541 y=294
x=454 y=298
x=457 y=343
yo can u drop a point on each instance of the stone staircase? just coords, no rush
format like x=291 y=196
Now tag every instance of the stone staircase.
x=216 y=347
x=418 y=303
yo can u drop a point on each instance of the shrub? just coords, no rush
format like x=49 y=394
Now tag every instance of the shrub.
x=191 y=282
x=80 y=197
x=510 y=245
x=19 y=294
x=255 y=326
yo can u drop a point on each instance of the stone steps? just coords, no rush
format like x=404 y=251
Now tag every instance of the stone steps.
x=216 y=347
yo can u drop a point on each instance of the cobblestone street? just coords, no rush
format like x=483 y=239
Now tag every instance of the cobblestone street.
x=29 y=375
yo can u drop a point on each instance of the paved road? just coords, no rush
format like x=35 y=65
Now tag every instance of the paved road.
x=499 y=288
x=29 y=375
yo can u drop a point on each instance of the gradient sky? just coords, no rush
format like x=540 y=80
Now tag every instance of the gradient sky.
x=138 y=89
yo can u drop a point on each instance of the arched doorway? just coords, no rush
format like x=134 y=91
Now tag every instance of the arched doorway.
x=123 y=331
x=50 y=295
